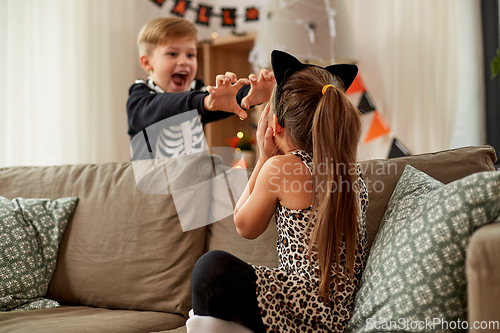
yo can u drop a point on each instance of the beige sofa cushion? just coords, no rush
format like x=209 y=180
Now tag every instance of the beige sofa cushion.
x=381 y=177
x=222 y=235
x=261 y=251
x=81 y=319
x=123 y=249
x=446 y=166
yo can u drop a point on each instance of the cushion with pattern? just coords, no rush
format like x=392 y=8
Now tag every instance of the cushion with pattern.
x=30 y=233
x=415 y=279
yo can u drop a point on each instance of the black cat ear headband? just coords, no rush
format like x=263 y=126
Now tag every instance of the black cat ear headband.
x=284 y=65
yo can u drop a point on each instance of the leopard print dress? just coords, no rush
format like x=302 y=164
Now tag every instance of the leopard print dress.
x=288 y=295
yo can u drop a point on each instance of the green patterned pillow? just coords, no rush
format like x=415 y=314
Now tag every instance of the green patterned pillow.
x=30 y=233
x=415 y=280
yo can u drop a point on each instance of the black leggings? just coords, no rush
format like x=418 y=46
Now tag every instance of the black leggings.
x=223 y=286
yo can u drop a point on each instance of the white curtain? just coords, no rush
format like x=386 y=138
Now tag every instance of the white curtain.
x=421 y=61
x=66 y=67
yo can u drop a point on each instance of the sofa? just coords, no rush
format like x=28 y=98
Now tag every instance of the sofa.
x=124 y=264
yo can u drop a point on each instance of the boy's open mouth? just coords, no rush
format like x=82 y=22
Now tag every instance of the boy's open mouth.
x=179 y=79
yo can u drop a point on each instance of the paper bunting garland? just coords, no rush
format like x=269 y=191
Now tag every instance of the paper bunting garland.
x=378 y=127
x=398 y=149
x=180 y=7
x=159 y=2
x=228 y=16
x=365 y=104
x=356 y=86
x=205 y=13
x=358 y=95
x=252 y=14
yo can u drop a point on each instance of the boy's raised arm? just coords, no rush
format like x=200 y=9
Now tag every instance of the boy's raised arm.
x=222 y=96
x=261 y=88
x=146 y=107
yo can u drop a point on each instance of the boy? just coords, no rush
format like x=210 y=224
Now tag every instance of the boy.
x=167 y=48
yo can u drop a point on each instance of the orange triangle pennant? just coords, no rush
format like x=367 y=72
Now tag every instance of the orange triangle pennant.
x=356 y=86
x=378 y=127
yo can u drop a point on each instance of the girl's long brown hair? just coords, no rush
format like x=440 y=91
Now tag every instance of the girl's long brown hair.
x=328 y=127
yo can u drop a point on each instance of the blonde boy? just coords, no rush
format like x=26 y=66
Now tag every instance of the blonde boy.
x=167 y=50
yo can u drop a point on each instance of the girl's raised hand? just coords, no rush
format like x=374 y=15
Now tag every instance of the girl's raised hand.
x=265 y=141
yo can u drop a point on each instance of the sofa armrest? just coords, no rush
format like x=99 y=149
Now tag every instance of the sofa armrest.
x=483 y=277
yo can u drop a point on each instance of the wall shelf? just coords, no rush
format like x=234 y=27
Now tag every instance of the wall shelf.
x=217 y=56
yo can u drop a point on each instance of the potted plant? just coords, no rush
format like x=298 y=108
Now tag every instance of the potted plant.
x=495 y=65
x=243 y=147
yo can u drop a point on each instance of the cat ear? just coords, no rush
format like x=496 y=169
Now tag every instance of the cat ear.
x=284 y=65
x=346 y=72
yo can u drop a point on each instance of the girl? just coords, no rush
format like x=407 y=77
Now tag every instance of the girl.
x=308 y=177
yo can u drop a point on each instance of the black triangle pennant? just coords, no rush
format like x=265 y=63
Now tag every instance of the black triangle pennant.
x=365 y=104
x=158 y=2
x=398 y=149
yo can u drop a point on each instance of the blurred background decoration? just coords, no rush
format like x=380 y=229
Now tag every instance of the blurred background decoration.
x=241 y=141
x=243 y=150
x=314 y=31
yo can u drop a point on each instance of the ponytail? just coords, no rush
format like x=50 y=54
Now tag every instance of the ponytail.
x=335 y=134
x=324 y=123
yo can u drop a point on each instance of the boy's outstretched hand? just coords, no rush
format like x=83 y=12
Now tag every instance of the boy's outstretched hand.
x=260 y=88
x=223 y=96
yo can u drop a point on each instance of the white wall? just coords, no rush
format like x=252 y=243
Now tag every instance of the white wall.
x=81 y=80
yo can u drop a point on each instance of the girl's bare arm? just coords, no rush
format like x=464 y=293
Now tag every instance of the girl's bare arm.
x=253 y=213
x=260 y=181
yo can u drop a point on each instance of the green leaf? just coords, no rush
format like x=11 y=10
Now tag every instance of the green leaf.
x=495 y=65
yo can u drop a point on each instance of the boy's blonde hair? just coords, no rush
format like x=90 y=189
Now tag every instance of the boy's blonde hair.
x=160 y=30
